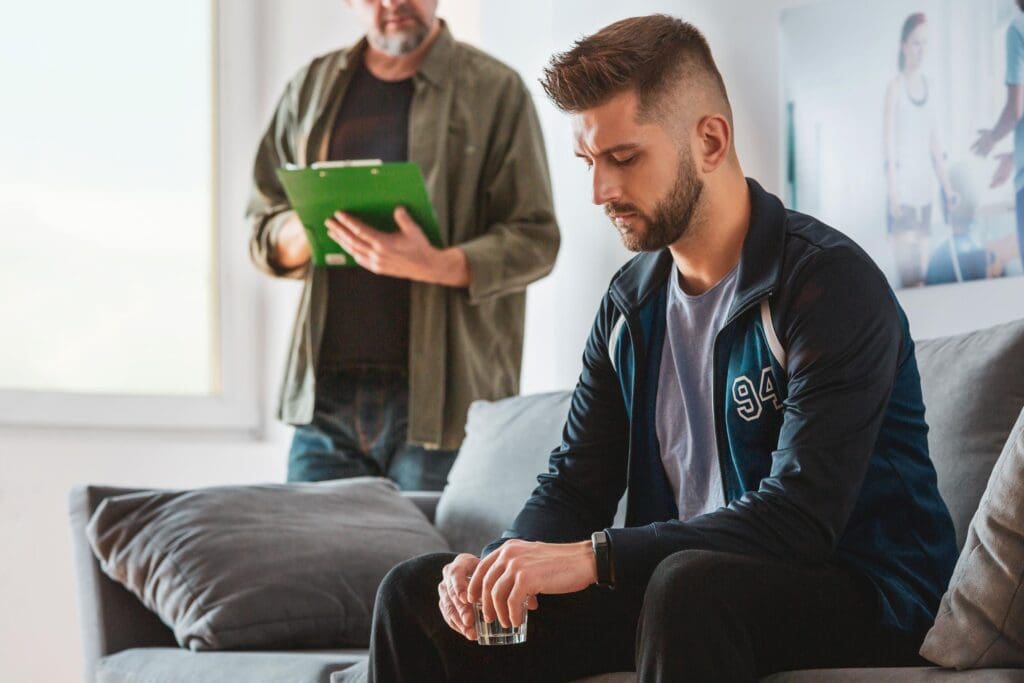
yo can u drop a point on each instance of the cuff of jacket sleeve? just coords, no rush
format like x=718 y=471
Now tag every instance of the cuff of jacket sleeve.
x=486 y=261
x=494 y=545
x=632 y=550
x=274 y=226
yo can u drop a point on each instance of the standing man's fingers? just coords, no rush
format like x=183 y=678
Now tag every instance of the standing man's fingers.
x=404 y=221
x=358 y=228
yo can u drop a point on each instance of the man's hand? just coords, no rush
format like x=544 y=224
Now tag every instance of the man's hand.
x=292 y=246
x=1003 y=171
x=518 y=571
x=984 y=144
x=456 y=610
x=405 y=253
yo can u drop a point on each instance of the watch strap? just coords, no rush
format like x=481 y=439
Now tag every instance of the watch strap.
x=603 y=558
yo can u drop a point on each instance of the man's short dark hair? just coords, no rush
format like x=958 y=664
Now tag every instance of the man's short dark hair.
x=650 y=55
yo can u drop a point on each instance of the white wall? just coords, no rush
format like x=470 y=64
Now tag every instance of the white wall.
x=746 y=40
x=38 y=624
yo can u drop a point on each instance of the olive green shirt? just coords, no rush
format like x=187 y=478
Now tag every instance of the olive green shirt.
x=475 y=134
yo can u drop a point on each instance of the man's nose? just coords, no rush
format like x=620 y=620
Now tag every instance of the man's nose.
x=606 y=187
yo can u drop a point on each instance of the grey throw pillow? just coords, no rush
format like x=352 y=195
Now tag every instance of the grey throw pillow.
x=274 y=566
x=973 y=387
x=980 y=622
x=507 y=445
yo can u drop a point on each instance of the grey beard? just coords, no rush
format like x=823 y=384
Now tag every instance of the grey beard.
x=399 y=45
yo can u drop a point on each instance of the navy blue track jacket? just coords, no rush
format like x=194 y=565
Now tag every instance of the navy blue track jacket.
x=818 y=415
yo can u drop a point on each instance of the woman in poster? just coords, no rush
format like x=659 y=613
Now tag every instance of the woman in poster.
x=913 y=156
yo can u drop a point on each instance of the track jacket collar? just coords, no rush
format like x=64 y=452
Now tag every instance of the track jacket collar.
x=760 y=260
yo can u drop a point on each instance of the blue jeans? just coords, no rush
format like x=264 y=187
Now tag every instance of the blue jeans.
x=359 y=429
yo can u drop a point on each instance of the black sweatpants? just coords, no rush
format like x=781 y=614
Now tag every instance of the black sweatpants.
x=704 y=616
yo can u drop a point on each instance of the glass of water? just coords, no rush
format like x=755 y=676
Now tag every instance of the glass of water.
x=496 y=634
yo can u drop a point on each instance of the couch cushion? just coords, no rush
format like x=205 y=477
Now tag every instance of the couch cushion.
x=973 y=387
x=507 y=445
x=174 y=665
x=980 y=621
x=274 y=566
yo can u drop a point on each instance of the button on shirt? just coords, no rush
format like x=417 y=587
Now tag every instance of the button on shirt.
x=685 y=409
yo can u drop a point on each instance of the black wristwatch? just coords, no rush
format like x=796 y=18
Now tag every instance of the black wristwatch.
x=603 y=558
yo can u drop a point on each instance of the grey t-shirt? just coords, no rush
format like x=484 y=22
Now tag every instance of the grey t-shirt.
x=685 y=409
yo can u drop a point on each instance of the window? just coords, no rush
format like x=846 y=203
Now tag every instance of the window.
x=111 y=289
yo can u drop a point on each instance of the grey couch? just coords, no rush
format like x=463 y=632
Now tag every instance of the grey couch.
x=974 y=391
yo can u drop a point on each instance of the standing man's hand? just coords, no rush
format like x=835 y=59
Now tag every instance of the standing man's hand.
x=518 y=571
x=405 y=253
x=455 y=608
x=292 y=246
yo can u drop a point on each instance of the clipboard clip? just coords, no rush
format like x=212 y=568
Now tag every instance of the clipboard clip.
x=349 y=163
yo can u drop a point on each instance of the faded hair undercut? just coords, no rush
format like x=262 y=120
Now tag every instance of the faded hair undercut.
x=652 y=55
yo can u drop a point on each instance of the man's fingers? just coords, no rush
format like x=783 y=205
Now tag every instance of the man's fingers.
x=455 y=580
x=517 y=604
x=449 y=613
x=338 y=229
x=501 y=598
x=488 y=597
x=368 y=260
x=531 y=602
x=474 y=592
x=364 y=256
x=361 y=230
x=405 y=222
x=456 y=587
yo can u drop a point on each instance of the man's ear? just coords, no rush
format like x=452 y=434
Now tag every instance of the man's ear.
x=714 y=140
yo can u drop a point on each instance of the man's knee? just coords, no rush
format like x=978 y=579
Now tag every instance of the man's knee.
x=690 y=577
x=416 y=578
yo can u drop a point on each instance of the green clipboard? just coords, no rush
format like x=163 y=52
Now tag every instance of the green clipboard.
x=369 y=191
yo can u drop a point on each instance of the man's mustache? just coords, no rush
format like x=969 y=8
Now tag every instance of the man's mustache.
x=400 y=12
x=612 y=210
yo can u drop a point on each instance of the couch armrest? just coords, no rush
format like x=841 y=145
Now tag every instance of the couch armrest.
x=426 y=501
x=112 y=618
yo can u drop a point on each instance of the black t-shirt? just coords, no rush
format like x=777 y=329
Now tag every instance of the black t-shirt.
x=368 y=315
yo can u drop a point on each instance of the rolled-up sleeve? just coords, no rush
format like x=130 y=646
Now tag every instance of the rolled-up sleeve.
x=268 y=208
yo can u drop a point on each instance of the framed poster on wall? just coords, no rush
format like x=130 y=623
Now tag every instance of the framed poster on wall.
x=901 y=119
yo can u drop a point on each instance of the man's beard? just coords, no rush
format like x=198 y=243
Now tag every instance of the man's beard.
x=672 y=217
x=404 y=42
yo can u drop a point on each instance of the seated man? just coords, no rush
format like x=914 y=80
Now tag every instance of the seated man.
x=750 y=383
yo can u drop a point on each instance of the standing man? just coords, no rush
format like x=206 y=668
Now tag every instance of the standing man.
x=749 y=382
x=386 y=358
x=1010 y=119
